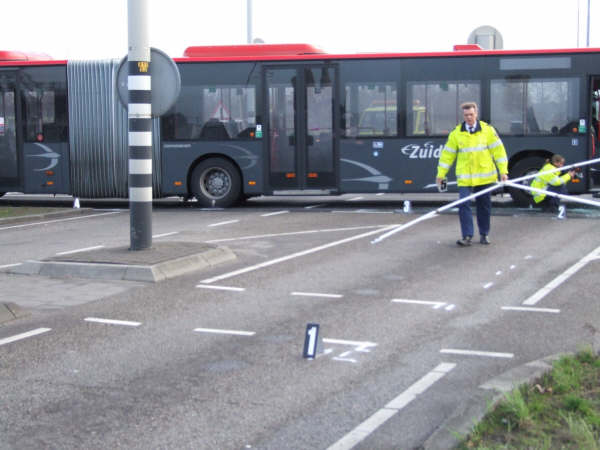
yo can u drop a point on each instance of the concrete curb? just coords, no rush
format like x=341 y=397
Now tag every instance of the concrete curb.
x=152 y=273
x=461 y=422
x=49 y=215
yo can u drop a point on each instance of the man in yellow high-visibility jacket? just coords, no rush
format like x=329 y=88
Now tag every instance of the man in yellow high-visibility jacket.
x=477 y=149
x=554 y=182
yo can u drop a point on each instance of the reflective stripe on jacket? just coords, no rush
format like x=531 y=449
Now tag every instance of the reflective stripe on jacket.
x=542 y=181
x=477 y=155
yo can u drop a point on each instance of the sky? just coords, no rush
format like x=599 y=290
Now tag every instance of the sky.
x=87 y=29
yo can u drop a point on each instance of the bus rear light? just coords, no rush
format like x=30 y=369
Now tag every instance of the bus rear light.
x=408 y=181
x=40 y=137
x=178 y=183
x=575 y=180
x=49 y=172
x=49 y=183
x=252 y=134
x=252 y=183
x=313 y=175
x=290 y=175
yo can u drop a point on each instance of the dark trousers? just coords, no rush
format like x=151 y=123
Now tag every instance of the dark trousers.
x=484 y=210
x=551 y=203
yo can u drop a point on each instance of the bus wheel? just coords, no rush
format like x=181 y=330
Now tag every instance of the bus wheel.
x=527 y=166
x=216 y=183
x=2 y=194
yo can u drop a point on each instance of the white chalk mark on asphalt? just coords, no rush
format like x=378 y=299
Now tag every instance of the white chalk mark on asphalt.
x=363 y=430
x=79 y=250
x=25 y=335
x=218 y=331
x=293 y=233
x=456 y=351
x=295 y=255
x=222 y=288
x=126 y=323
x=434 y=305
x=562 y=278
x=525 y=308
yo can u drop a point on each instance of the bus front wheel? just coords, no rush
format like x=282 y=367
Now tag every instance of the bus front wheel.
x=527 y=166
x=216 y=182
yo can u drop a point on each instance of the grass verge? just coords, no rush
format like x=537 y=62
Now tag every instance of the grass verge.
x=561 y=410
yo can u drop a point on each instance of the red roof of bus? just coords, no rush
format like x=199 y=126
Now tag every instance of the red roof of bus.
x=7 y=55
x=251 y=50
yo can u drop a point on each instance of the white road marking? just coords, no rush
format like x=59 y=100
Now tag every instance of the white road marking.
x=498 y=273
x=79 y=250
x=476 y=353
x=217 y=331
x=513 y=267
x=525 y=308
x=223 y=223
x=379 y=194
x=6 y=266
x=316 y=294
x=59 y=220
x=354 y=199
x=435 y=305
x=314 y=206
x=165 y=234
x=27 y=334
x=363 y=430
x=295 y=255
x=361 y=211
x=488 y=285
x=450 y=307
x=562 y=278
x=360 y=346
x=274 y=213
x=293 y=233
x=113 y=322
x=222 y=288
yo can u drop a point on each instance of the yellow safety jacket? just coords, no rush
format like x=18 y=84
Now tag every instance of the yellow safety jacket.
x=475 y=154
x=544 y=179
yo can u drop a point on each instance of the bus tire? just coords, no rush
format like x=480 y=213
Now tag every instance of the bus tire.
x=526 y=166
x=216 y=182
x=2 y=194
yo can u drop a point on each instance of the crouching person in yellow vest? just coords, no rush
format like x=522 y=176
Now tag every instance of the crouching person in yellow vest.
x=553 y=182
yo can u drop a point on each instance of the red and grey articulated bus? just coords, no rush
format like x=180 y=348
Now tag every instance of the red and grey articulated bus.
x=290 y=119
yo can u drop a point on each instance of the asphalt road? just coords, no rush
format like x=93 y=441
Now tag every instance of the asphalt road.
x=410 y=327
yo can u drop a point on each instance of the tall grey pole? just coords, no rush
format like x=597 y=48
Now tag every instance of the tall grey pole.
x=249 y=20
x=140 y=126
x=587 y=41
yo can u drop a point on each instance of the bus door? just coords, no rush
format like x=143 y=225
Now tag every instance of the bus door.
x=9 y=158
x=595 y=132
x=299 y=130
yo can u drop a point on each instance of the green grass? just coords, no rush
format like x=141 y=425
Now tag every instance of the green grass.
x=561 y=410
x=19 y=211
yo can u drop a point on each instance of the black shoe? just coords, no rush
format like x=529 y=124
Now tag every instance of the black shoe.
x=464 y=242
x=484 y=240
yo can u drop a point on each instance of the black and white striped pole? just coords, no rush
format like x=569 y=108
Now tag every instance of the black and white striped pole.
x=139 y=111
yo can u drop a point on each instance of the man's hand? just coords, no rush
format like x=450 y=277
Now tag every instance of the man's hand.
x=438 y=181
x=504 y=177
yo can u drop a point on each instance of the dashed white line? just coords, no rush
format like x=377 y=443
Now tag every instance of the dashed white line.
x=363 y=430
x=227 y=222
x=295 y=255
x=525 y=308
x=6 y=266
x=316 y=294
x=58 y=220
x=113 y=322
x=488 y=285
x=314 y=206
x=435 y=305
x=232 y=332
x=276 y=213
x=79 y=250
x=456 y=351
x=27 y=334
x=156 y=236
x=562 y=278
x=354 y=199
x=222 y=288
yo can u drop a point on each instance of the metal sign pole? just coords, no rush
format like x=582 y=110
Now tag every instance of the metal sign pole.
x=140 y=126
